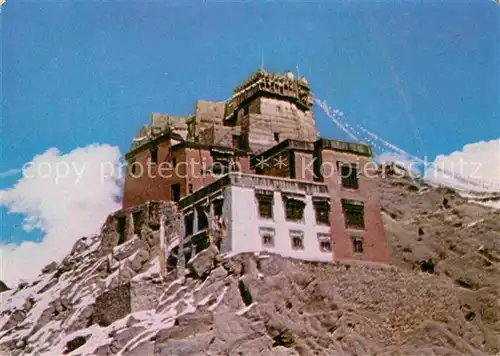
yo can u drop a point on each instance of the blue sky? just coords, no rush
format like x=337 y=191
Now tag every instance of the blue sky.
x=423 y=76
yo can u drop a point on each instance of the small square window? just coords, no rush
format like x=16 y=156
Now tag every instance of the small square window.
x=267 y=240
x=325 y=246
x=297 y=239
x=219 y=167
x=267 y=234
x=357 y=243
x=325 y=242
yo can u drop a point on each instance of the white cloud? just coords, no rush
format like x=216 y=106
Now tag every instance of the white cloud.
x=408 y=163
x=475 y=167
x=66 y=196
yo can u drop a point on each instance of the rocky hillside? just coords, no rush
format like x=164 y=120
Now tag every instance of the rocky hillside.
x=440 y=296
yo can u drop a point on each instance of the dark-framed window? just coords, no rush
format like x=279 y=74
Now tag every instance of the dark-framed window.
x=154 y=154
x=202 y=218
x=325 y=242
x=219 y=167
x=322 y=210
x=325 y=246
x=176 y=192
x=218 y=204
x=265 y=202
x=294 y=209
x=189 y=224
x=357 y=244
x=236 y=141
x=276 y=137
x=348 y=175
x=267 y=235
x=268 y=240
x=297 y=239
x=353 y=214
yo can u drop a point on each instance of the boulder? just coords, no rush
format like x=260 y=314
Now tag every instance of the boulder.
x=129 y=248
x=203 y=262
x=15 y=318
x=51 y=267
x=138 y=259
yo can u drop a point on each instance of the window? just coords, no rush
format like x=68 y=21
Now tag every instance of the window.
x=357 y=243
x=265 y=201
x=218 y=204
x=219 y=167
x=175 y=192
x=190 y=188
x=294 y=209
x=236 y=141
x=202 y=218
x=297 y=238
x=174 y=162
x=267 y=234
x=267 y=240
x=189 y=224
x=276 y=137
x=325 y=246
x=322 y=209
x=154 y=155
x=325 y=242
x=348 y=175
x=121 y=229
x=354 y=214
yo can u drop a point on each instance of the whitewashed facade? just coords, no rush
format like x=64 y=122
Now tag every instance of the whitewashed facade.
x=246 y=231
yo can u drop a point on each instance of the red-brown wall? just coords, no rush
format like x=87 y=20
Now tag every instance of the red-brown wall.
x=375 y=241
x=191 y=163
x=145 y=186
